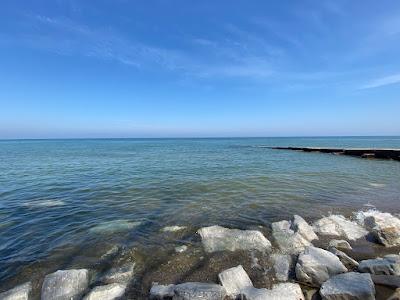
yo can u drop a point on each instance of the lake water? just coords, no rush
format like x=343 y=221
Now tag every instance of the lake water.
x=64 y=203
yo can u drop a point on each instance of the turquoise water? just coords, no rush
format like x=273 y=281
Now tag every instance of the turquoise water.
x=63 y=202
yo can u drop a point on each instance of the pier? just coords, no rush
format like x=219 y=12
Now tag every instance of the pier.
x=370 y=153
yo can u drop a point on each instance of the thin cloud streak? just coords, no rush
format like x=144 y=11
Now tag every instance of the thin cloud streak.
x=379 y=82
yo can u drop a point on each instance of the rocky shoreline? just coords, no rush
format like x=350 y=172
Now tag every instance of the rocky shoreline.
x=292 y=259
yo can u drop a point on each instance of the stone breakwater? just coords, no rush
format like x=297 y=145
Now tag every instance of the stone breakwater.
x=296 y=259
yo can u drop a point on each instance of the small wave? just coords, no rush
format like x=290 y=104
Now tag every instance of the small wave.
x=114 y=226
x=44 y=203
x=377 y=185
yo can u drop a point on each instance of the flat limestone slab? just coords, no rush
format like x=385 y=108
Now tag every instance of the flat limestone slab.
x=217 y=238
x=20 y=292
x=65 y=284
x=281 y=291
x=337 y=225
x=199 y=291
x=106 y=292
x=234 y=280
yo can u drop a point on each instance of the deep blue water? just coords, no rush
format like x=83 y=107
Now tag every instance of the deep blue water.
x=62 y=199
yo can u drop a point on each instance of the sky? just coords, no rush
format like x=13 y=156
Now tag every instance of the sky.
x=178 y=68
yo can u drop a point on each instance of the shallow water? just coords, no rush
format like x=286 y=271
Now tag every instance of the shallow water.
x=65 y=203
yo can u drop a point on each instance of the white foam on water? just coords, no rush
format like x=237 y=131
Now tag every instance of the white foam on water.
x=173 y=228
x=114 y=226
x=44 y=203
x=377 y=185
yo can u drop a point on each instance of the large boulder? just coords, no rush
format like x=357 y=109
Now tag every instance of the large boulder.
x=348 y=286
x=199 y=291
x=384 y=227
x=122 y=274
x=337 y=225
x=234 y=280
x=293 y=236
x=20 y=292
x=317 y=265
x=281 y=291
x=346 y=260
x=217 y=238
x=106 y=292
x=159 y=291
x=389 y=265
x=282 y=263
x=65 y=285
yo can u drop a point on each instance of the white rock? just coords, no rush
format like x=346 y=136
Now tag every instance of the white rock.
x=217 y=238
x=106 y=292
x=346 y=260
x=389 y=265
x=199 y=291
x=281 y=264
x=173 y=228
x=348 y=286
x=234 y=280
x=316 y=265
x=20 y=292
x=65 y=284
x=340 y=244
x=159 y=291
x=288 y=241
x=337 y=225
x=383 y=226
x=281 y=291
x=181 y=249
x=121 y=274
x=301 y=226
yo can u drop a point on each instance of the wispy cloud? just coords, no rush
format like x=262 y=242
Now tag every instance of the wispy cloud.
x=383 y=81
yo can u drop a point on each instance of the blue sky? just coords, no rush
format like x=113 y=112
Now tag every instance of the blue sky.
x=122 y=68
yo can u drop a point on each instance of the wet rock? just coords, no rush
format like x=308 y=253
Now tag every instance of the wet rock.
x=301 y=226
x=65 y=284
x=389 y=265
x=173 y=228
x=181 y=249
x=217 y=238
x=282 y=264
x=114 y=226
x=106 y=292
x=395 y=295
x=121 y=274
x=288 y=240
x=199 y=291
x=234 y=280
x=346 y=260
x=159 y=291
x=20 y=292
x=337 y=225
x=316 y=265
x=281 y=291
x=348 y=286
x=340 y=244
x=384 y=227
x=392 y=281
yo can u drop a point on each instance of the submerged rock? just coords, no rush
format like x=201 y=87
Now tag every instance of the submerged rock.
x=199 y=291
x=383 y=226
x=346 y=260
x=281 y=264
x=180 y=249
x=106 y=292
x=20 y=292
x=292 y=237
x=316 y=265
x=337 y=225
x=340 y=244
x=234 y=280
x=65 y=284
x=217 y=238
x=173 y=228
x=389 y=265
x=121 y=274
x=114 y=226
x=281 y=291
x=348 y=286
x=159 y=291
